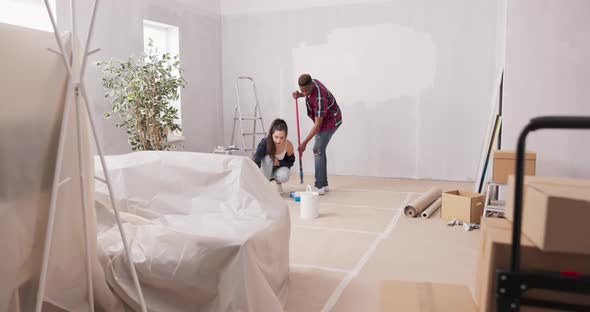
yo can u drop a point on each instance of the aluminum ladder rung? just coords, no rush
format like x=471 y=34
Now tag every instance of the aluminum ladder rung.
x=257 y=129
x=492 y=204
x=248 y=118
x=496 y=208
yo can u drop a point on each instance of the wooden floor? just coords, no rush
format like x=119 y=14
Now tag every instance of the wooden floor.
x=362 y=237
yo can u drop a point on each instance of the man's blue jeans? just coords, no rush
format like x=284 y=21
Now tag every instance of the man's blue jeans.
x=322 y=139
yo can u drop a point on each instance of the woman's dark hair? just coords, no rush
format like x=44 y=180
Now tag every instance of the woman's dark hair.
x=277 y=125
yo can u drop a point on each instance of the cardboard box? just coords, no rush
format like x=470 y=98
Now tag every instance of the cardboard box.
x=493 y=223
x=509 y=212
x=504 y=165
x=424 y=297
x=463 y=205
x=495 y=254
x=555 y=213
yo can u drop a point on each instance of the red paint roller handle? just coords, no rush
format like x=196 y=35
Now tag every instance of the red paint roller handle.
x=299 y=142
x=298 y=131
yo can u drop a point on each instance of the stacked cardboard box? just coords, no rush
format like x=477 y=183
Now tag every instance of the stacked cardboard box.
x=495 y=254
x=504 y=165
x=555 y=213
x=424 y=297
x=557 y=210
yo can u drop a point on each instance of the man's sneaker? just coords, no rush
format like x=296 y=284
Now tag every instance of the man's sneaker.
x=320 y=191
x=326 y=189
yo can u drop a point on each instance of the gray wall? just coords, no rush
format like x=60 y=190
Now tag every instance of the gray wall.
x=414 y=79
x=548 y=73
x=119 y=33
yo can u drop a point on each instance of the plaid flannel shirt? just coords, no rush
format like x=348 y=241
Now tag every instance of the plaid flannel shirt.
x=321 y=103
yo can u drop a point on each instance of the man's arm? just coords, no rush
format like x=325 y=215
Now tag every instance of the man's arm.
x=320 y=112
x=314 y=130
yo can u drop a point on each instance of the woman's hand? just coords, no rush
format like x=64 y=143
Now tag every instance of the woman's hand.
x=276 y=162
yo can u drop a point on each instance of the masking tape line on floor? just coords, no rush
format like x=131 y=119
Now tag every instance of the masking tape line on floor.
x=333 y=299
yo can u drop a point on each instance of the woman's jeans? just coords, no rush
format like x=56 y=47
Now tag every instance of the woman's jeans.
x=279 y=174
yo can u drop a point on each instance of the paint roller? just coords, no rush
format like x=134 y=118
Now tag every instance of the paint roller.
x=417 y=206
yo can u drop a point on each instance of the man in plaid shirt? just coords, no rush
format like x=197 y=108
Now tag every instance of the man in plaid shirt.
x=327 y=117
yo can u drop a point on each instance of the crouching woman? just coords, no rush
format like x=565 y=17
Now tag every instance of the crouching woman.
x=275 y=155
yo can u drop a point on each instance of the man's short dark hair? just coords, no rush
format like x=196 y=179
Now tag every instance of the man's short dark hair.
x=304 y=80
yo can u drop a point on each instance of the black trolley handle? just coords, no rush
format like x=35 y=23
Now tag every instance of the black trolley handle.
x=545 y=122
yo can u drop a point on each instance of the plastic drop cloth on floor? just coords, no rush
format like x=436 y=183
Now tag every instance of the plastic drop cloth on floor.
x=207 y=232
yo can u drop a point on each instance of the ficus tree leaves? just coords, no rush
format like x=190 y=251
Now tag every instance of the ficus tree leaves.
x=141 y=91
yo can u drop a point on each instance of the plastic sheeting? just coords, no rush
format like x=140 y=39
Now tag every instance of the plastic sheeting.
x=33 y=88
x=207 y=232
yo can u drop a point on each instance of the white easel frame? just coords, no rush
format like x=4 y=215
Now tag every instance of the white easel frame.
x=76 y=87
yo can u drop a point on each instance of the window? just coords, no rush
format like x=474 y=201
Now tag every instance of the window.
x=165 y=38
x=27 y=13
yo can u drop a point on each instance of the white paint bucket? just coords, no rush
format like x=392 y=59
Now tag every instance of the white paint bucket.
x=310 y=202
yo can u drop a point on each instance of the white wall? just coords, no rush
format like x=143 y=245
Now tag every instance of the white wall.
x=240 y=7
x=414 y=79
x=119 y=33
x=548 y=73
x=26 y=13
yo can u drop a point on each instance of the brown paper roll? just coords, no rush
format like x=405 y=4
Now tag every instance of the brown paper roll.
x=418 y=205
x=431 y=209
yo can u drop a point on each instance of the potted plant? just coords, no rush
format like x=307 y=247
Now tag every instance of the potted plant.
x=141 y=91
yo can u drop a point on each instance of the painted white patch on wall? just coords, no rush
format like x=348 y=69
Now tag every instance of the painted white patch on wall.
x=401 y=63
x=371 y=78
x=420 y=106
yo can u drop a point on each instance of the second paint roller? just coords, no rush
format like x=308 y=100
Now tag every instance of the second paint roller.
x=417 y=206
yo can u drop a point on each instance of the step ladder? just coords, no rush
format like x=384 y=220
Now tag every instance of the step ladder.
x=239 y=117
x=492 y=204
